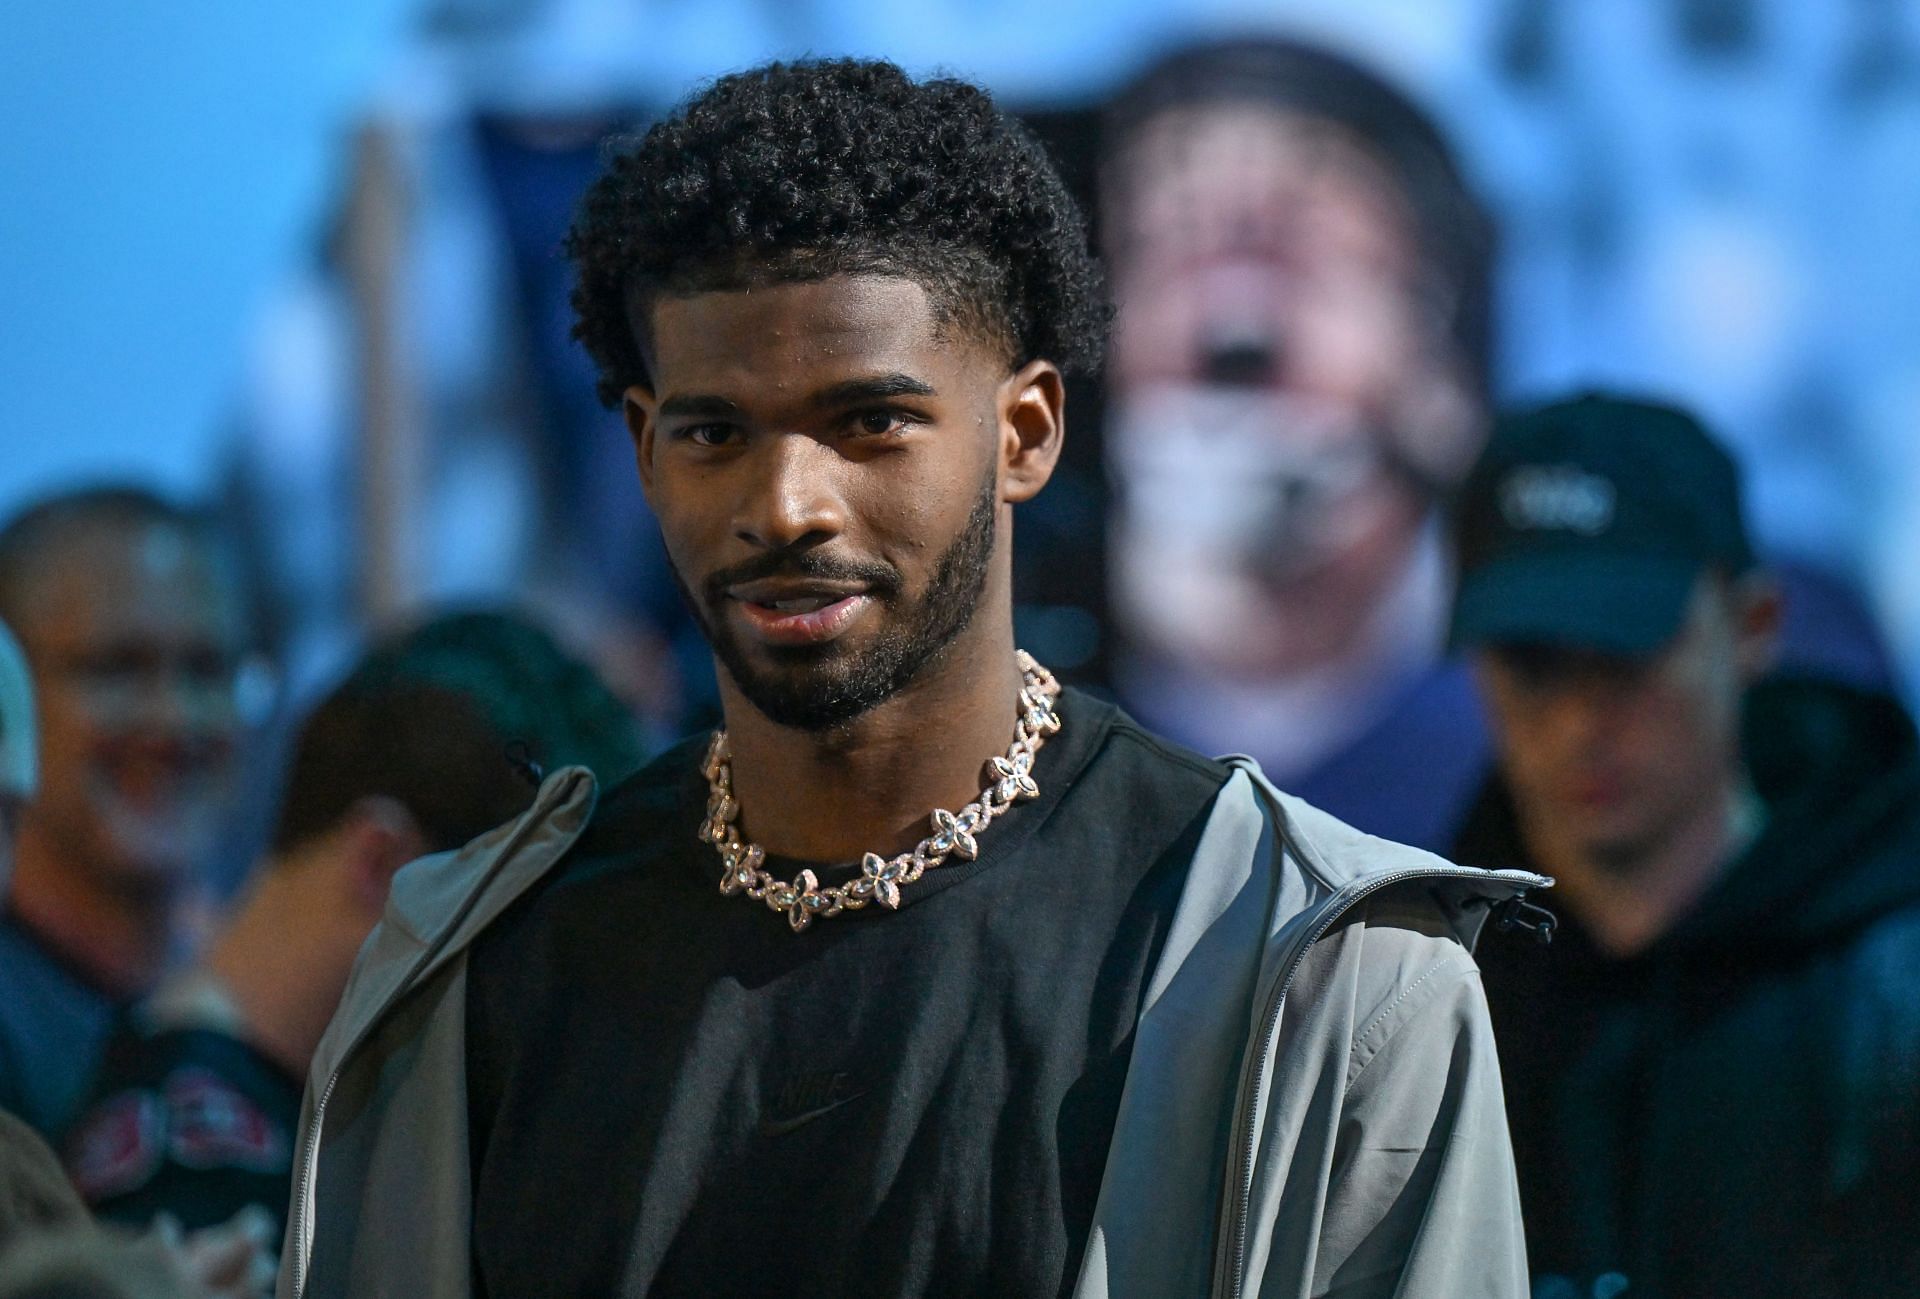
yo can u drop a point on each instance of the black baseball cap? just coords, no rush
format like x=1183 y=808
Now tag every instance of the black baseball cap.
x=1586 y=524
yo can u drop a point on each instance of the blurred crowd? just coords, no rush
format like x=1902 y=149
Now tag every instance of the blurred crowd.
x=1291 y=524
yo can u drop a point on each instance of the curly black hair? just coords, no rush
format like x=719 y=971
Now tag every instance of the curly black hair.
x=798 y=171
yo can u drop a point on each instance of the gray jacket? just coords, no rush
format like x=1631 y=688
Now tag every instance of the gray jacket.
x=1312 y=1107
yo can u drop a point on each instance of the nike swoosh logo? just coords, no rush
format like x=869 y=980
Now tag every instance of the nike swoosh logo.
x=780 y=1127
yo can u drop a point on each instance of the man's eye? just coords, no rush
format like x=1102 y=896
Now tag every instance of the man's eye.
x=708 y=435
x=878 y=423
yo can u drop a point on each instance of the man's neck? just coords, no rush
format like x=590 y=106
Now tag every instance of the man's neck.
x=121 y=940
x=283 y=961
x=1628 y=905
x=829 y=796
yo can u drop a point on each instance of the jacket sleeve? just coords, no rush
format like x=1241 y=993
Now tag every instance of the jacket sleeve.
x=1421 y=1196
x=34 y=1194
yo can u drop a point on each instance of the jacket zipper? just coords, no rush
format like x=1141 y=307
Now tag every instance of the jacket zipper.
x=309 y=1164
x=1231 y=1280
x=310 y=1136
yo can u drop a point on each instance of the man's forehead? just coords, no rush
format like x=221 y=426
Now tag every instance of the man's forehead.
x=842 y=323
x=1248 y=155
x=142 y=549
x=1232 y=136
x=115 y=572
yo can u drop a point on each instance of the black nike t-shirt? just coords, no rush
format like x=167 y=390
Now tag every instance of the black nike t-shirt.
x=673 y=1093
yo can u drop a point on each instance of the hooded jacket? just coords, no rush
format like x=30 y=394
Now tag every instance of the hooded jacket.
x=1312 y=1104
x=1736 y=1109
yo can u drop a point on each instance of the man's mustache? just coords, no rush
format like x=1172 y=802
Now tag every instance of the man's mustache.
x=882 y=579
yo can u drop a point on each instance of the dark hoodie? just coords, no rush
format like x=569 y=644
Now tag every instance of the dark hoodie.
x=1736 y=1110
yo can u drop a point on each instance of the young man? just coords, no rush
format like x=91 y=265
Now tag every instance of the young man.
x=130 y=611
x=1711 y=1071
x=919 y=976
x=193 y=1113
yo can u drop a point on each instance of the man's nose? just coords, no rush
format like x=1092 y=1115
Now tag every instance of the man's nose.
x=189 y=701
x=1578 y=713
x=794 y=497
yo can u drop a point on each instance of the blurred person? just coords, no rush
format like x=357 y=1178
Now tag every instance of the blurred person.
x=1298 y=375
x=758 y=1021
x=131 y=613
x=39 y=1210
x=194 y=1112
x=1713 y=1072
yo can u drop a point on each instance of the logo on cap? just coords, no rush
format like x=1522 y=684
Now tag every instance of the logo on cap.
x=1559 y=498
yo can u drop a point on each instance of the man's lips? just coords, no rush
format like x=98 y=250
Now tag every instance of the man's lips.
x=155 y=786
x=798 y=613
x=791 y=589
x=1594 y=792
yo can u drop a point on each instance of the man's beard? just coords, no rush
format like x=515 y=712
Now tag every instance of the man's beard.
x=817 y=687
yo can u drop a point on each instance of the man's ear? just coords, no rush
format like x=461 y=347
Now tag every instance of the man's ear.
x=381 y=837
x=1759 y=608
x=1033 y=423
x=637 y=405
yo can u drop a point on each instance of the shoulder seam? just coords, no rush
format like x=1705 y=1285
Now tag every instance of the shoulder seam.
x=1210 y=768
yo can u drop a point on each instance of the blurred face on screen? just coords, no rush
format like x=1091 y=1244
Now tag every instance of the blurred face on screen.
x=135 y=636
x=1286 y=399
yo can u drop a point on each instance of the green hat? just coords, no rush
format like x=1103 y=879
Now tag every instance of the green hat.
x=1586 y=524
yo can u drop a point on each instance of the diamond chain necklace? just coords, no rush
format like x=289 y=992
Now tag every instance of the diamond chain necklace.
x=803 y=900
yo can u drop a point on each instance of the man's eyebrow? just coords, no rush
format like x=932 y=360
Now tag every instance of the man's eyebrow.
x=699 y=407
x=878 y=387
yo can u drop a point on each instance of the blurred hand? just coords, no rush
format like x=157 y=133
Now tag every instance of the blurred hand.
x=235 y=1260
